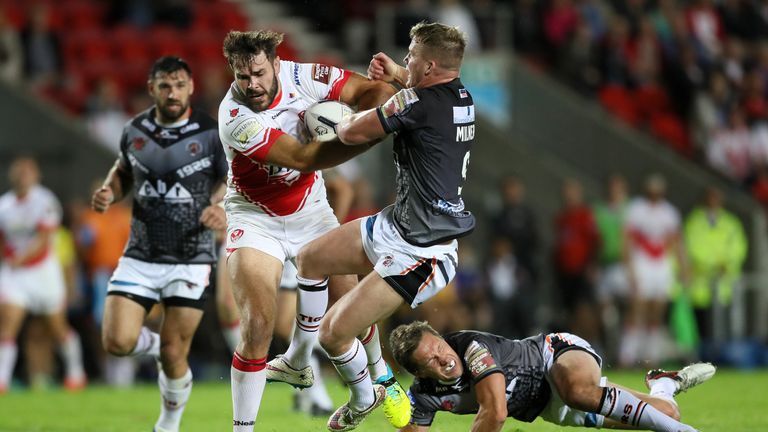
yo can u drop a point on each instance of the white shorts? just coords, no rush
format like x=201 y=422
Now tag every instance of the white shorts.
x=185 y=282
x=279 y=236
x=39 y=289
x=557 y=411
x=416 y=273
x=288 y=280
x=613 y=283
x=654 y=278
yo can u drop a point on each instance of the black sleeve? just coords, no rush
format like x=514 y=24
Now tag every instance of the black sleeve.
x=423 y=407
x=220 y=164
x=403 y=111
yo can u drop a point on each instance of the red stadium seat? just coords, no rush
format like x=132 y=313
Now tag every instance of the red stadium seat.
x=651 y=100
x=81 y=14
x=671 y=129
x=166 y=41
x=129 y=45
x=619 y=102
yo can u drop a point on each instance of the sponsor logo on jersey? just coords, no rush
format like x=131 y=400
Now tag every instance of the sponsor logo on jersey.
x=138 y=143
x=463 y=114
x=321 y=73
x=399 y=102
x=190 y=127
x=479 y=359
x=235 y=235
x=296 y=79
x=194 y=148
x=148 y=124
x=234 y=112
x=246 y=130
x=166 y=134
x=279 y=113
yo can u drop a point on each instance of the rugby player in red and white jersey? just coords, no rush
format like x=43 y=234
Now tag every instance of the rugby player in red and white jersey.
x=652 y=232
x=276 y=203
x=31 y=279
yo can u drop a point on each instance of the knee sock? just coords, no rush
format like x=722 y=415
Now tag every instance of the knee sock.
x=624 y=407
x=174 y=395
x=376 y=364
x=72 y=354
x=664 y=388
x=353 y=368
x=231 y=333
x=312 y=304
x=8 y=352
x=147 y=343
x=248 y=379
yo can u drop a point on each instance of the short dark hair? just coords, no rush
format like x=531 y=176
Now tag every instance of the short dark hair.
x=167 y=65
x=405 y=339
x=241 y=47
x=442 y=43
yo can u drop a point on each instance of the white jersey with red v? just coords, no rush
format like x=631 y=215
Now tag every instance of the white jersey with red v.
x=247 y=137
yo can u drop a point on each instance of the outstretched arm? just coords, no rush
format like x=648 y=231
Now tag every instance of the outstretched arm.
x=491 y=395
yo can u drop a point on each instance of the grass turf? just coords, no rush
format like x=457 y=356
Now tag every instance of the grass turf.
x=732 y=401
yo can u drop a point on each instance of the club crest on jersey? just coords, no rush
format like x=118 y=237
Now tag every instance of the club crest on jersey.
x=321 y=73
x=388 y=261
x=447 y=405
x=234 y=112
x=194 y=148
x=138 y=143
x=235 y=235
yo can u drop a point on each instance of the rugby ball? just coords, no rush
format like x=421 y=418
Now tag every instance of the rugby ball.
x=322 y=117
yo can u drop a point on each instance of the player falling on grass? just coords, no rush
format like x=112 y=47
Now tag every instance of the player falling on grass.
x=31 y=278
x=171 y=160
x=556 y=377
x=276 y=203
x=409 y=250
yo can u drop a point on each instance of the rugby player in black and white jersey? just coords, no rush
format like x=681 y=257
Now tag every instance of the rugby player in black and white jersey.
x=409 y=250
x=172 y=162
x=556 y=376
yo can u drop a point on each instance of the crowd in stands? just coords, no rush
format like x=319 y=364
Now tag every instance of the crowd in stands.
x=691 y=72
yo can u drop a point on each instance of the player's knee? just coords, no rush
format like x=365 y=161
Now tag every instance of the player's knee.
x=582 y=397
x=328 y=336
x=306 y=262
x=172 y=351
x=118 y=345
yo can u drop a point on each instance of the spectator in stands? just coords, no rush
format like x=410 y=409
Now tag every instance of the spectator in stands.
x=710 y=109
x=105 y=116
x=614 y=64
x=717 y=248
x=11 y=55
x=575 y=253
x=652 y=241
x=706 y=28
x=527 y=31
x=560 y=22
x=471 y=288
x=729 y=147
x=42 y=50
x=512 y=295
x=612 y=284
x=578 y=64
x=516 y=222
x=454 y=13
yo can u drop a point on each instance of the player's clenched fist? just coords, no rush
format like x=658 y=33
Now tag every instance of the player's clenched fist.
x=214 y=217
x=382 y=68
x=102 y=198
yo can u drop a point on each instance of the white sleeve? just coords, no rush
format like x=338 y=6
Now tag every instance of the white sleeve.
x=319 y=81
x=245 y=134
x=50 y=212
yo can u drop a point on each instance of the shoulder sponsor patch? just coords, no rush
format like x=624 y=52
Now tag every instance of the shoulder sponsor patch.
x=321 y=73
x=463 y=114
x=246 y=130
x=399 y=102
x=478 y=359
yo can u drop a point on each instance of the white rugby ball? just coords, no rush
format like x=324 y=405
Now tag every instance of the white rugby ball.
x=322 y=117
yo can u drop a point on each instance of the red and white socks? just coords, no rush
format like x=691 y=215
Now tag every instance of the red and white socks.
x=72 y=353
x=248 y=377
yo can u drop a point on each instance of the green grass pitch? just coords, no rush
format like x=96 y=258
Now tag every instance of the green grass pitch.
x=732 y=401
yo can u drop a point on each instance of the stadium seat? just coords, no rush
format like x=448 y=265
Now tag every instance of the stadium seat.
x=79 y=15
x=166 y=41
x=619 y=102
x=671 y=130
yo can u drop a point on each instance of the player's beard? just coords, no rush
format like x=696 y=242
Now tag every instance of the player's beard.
x=168 y=115
x=270 y=97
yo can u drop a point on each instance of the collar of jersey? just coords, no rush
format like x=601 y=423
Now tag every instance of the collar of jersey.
x=277 y=99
